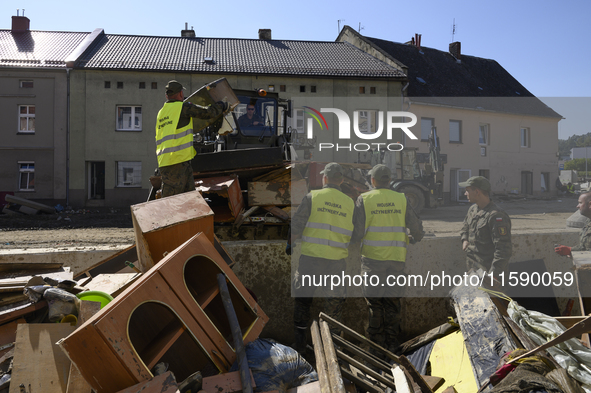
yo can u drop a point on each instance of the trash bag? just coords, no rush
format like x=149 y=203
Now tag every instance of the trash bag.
x=571 y=354
x=61 y=303
x=276 y=367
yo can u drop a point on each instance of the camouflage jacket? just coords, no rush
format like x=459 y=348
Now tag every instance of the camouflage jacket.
x=201 y=112
x=488 y=232
x=585 y=239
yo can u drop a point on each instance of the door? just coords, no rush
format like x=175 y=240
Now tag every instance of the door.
x=458 y=176
x=527 y=183
x=96 y=180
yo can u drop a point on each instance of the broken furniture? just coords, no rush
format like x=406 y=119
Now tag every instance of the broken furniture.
x=172 y=314
x=224 y=194
x=162 y=225
x=331 y=370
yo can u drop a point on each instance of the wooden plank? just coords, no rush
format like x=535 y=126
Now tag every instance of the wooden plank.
x=227 y=382
x=433 y=382
x=8 y=335
x=334 y=372
x=38 y=362
x=28 y=203
x=112 y=264
x=415 y=376
x=321 y=366
x=113 y=284
x=18 y=311
x=164 y=383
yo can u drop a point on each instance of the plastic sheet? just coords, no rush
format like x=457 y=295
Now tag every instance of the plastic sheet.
x=276 y=367
x=571 y=354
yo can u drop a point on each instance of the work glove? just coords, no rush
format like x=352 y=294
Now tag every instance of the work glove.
x=562 y=250
x=288 y=249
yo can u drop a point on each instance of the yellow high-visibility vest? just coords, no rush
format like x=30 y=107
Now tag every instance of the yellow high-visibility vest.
x=385 y=236
x=329 y=228
x=173 y=145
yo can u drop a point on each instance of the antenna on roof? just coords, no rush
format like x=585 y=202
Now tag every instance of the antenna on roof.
x=360 y=27
x=453 y=30
x=339 y=22
x=23 y=12
x=17 y=12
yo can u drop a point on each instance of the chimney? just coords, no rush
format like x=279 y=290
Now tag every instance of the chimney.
x=187 y=32
x=20 y=23
x=455 y=48
x=264 y=34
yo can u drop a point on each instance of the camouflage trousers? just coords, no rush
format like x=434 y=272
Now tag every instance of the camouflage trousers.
x=177 y=178
x=383 y=302
x=306 y=290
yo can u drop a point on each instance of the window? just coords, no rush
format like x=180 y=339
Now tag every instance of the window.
x=129 y=118
x=26 y=178
x=361 y=89
x=120 y=85
x=302 y=88
x=26 y=117
x=455 y=131
x=372 y=90
x=142 y=85
x=525 y=137
x=366 y=120
x=298 y=121
x=154 y=85
x=313 y=89
x=129 y=174
x=26 y=84
x=107 y=84
x=426 y=125
x=282 y=88
x=483 y=136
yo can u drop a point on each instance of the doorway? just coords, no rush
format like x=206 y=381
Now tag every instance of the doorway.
x=527 y=183
x=96 y=180
x=457 y=176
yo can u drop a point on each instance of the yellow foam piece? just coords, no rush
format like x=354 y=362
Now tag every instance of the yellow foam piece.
x=449 y=360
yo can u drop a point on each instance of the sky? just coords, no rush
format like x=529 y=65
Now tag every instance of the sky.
x=543 y=44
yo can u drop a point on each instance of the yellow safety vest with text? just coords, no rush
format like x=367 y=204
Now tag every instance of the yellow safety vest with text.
x=173 y=145
x=385 y=236
x=329 y=228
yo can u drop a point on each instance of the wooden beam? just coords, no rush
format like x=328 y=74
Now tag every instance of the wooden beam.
x=321 y=366
x=334 y=372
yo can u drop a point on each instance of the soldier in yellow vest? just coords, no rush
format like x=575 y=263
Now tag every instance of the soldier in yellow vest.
x=385 y=215
x=174 y=138
x=324 y=221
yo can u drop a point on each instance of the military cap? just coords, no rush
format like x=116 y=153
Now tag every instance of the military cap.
x=381 y=172
x=332 y=170
x=173 y=87
x=478 y=182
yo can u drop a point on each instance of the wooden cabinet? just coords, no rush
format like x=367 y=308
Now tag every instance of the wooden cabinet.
x=172 y=314
x=162 y=225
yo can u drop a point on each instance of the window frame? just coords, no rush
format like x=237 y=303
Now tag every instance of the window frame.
x=487 y=134
x=525 y=131
x=136 y=172
x=459 y=122
x=371 y=116
x=26 y=116
x=24 y=82
x=426 y=139
x=132 y=116
x=26 y=171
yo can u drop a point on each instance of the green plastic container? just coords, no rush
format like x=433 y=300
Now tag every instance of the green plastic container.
x=96 y=296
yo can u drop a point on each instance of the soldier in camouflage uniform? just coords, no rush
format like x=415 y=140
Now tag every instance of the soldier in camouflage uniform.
x=324 y=221
x=486 y=233
x=174 y=159
x=384 y=215
x=584 y=207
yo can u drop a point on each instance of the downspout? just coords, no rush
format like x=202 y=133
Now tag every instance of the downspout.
x=68 y=138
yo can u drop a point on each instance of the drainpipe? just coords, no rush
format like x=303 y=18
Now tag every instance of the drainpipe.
x=68 y=139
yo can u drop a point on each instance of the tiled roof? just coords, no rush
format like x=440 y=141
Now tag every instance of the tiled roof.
x=37 y=48
x=436 y=77
x=228 y=55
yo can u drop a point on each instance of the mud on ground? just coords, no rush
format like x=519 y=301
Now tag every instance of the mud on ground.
x=112 y=227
